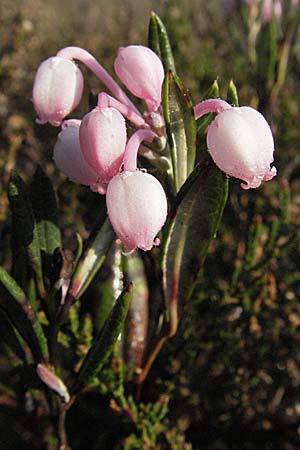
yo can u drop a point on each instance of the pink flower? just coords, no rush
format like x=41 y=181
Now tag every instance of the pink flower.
x=136 y=202
x=102 y=136
x=137 y=208
x=57 y=89
x=142 y=72
x=68 y=157
x=241 y=144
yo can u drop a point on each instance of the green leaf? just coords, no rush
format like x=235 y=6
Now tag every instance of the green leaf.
x=180 y=127
x=22 y=214
x=136 y=326
x=213 y=91
x=158 y=41
x=232 y=94
x=106 y=339
x=78 y=249
x=10 y=338
x=22 y=315
x=111 y=283
x=91 y=260
x=45 y=211
x=192 y=226
x=24 y=232
x=267 y=41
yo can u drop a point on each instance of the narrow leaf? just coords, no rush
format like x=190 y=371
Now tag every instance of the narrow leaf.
x=10 y=338
x=22 y=315
x=158 y=41
x=232 y=95
x=136 y=326
x=111 y=283
x=213 y=91
x=45 y=211
x=106 y=339
x=191 y=227
x=22 y=214
x=180 y=127
x=24 y=232
x=78 y=249
x=267 y=48
x=91 y=260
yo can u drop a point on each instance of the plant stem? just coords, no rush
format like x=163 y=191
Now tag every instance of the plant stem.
x=152 y=356
x=90 y=61
x=132 y=147
x=63 y=443
x=105 y=100
x=212 y=105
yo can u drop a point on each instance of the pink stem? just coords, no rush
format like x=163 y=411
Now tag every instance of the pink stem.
x=132 y=147
x=91 y=62
x=105 y=100
x=212 y=105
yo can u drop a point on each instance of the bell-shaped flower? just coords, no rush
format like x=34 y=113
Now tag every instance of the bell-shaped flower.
x=241 y=143
x=68 y=157
x=102 y=136
x=57 y=89
x=142 y=72
x=136 y=202
x=137 y=208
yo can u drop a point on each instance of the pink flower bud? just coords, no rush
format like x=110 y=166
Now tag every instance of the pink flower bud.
x=57 y=89
x=68 y=157
x=241 y=144
x=137 y=208
x=142 y=72
x=102 y=136
x=53 y=382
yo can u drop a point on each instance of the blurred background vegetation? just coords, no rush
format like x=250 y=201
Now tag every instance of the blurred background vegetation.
x=230 y=378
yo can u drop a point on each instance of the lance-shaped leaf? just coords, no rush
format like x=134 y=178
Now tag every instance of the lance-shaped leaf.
x=78 y=249
x=232 y=94
x=158 y=41
x=10 y=339
x=180 y=127
x=46 y=215
x=91 y=260
x=111 y=283
x=266 y=59
x=192 y=225
x=15 y=304
x=106 y=339
x=24 y=232
x=136 y=326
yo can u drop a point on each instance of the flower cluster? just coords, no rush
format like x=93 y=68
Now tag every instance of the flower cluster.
x=96 y=151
